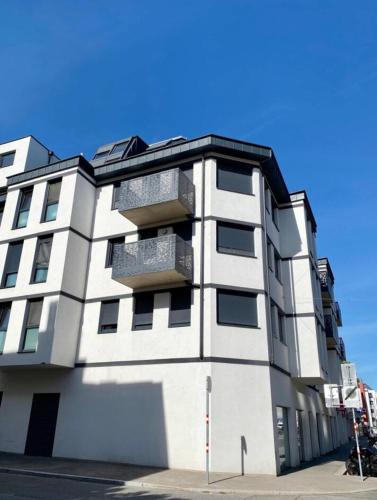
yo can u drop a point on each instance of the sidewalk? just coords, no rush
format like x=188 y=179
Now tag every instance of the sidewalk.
x=323 y=476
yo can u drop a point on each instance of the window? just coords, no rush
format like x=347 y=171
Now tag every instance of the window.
x=34 y=311
x=180 y=307
x=23 y=207
x=111 y=246
x=116 y=196
x=101 y=154
x=11 y=264
x=234 y=177
x=52 y=201
x=267 y=199
x=7 y=159
x=143 y=311
x=237 y=308
x=274 y=209
x=236 y=239
x=4 y=320
x=119 y=148
x=270 y=249
x=108 y=321
x=2 y=206
x=277 y=322
x=42 y=259
x=277 y=264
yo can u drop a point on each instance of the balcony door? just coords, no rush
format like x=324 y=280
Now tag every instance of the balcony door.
x=42 y=424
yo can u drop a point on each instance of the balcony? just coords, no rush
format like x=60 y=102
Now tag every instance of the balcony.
x=156 y=261
x=157 y=197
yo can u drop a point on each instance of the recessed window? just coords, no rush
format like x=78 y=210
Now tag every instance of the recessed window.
x=112 y=245
x=5 y=308
x=143 y=311
x=277 y=264
x=234 y=177
x=52 y=201
x=116 y=196
x=12 y=264
x=270 y=250
x=7 y=159
x=108 y=322
x=274 y=210
x=119 y=148
x=23 y=207
x=277 y=322
x=236 y=239
x=31 y=334
x=237 y=308
x=42 y=259
x=180 y=307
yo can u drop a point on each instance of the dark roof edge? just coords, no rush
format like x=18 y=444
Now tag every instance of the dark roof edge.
x=75 y=161
x=206 y=143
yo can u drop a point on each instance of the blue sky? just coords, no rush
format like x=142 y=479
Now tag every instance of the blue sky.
x=299 y=76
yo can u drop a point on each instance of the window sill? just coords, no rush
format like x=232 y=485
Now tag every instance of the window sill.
x=29 y=351
x=140 y=328
x=236 y=253
x=237 y=192
x=249 y=327
x=107 y=333
x=179 y=325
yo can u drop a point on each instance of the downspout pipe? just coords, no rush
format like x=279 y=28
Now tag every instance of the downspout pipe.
x=201 y=285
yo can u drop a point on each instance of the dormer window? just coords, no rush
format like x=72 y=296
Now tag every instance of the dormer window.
x=7 y=159
x=101 y=154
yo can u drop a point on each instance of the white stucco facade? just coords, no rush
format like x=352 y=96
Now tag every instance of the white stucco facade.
x=138 y=396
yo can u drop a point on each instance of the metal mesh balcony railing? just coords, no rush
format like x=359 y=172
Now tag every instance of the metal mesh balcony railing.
x=164 y=253
x=157 y=188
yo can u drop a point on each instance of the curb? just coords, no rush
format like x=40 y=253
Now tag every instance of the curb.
x=159 y=486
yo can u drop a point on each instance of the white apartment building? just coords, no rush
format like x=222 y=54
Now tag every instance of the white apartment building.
x=128 y=280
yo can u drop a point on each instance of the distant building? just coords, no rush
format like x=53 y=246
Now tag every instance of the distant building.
x=129 y=279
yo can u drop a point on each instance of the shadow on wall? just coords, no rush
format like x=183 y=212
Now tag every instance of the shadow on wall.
x=117 y=422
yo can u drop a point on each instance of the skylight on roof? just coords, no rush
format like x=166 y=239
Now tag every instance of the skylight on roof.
x=101 y=154
x=119 y=148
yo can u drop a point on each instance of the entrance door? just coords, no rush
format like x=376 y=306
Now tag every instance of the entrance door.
x=42 y=424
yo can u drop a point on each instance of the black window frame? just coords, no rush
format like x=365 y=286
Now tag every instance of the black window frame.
x=110 y=249
x=4 y=155
x=6 y=271
x=27 y=326
x=2 y=208
x=21 y=197
x=41 y=240
x=114 y=325
x=175 y=295
x=136 y=326
x=233 y=166
x=278 y=322
x=235 y=293
x=47 y=203
x=233 y=250
x=4 y=306
x=115 y=198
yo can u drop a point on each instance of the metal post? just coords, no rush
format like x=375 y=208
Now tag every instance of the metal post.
x=357 y=443
x=208 y=390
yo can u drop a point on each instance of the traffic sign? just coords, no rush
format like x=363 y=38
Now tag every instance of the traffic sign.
x=349 y=374
x=351 y=396
x=332 y=397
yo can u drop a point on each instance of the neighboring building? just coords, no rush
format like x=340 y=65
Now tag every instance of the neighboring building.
x=130 y=279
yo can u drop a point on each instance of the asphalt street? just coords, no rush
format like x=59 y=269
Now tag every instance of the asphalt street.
x=19 y=487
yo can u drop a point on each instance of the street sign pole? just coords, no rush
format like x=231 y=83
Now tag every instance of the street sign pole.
x=208 y=390
x=357 y=442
